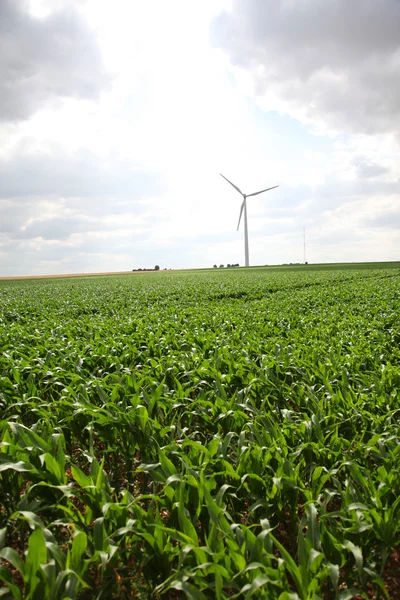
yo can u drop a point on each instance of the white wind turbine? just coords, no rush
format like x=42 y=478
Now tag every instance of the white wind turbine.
x=244 y=208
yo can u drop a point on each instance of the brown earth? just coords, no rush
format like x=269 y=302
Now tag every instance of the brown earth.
x=67 y=275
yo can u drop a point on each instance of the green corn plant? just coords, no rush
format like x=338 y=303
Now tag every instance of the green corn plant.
x=153 y=442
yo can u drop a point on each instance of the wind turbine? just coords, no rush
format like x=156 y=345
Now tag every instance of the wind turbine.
x=244 y=208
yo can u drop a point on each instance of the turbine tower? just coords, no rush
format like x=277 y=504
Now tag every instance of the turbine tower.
x=243 y=208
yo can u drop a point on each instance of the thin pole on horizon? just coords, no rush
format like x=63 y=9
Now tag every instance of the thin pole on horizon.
x=304 y=244
x=243 y=209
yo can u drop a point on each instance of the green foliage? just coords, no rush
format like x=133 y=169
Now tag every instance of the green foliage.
x=216 y=434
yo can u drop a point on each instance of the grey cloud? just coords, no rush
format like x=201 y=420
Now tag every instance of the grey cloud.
x=62 y=228
x=335 y=237
x=59 y=249
x=58 y=228
x=335 y=192
x=389 y=220
x=26 y=218
x=369 y=170
x=54 y=195
x=45 y=59
x=79 y=175
x=22 y=257
x=13 y=216
x=338 y=61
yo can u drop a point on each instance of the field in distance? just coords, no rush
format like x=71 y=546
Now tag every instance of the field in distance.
x=285 y=267
x=204 y=434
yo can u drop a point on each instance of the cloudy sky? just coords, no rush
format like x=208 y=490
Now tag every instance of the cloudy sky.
x=117 y=117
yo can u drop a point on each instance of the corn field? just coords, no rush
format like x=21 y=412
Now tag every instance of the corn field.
x=201 y=435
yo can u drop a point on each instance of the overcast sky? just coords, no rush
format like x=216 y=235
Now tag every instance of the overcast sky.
x=117 y=117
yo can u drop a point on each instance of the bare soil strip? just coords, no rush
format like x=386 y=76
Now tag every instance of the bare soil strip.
x=61 y=276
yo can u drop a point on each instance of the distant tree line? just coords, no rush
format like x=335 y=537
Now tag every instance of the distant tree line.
x=156 y=268
x=227 y=266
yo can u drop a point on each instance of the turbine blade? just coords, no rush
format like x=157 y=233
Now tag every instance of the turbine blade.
x=240 y=216
x=232 y=184
x=261 y=191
